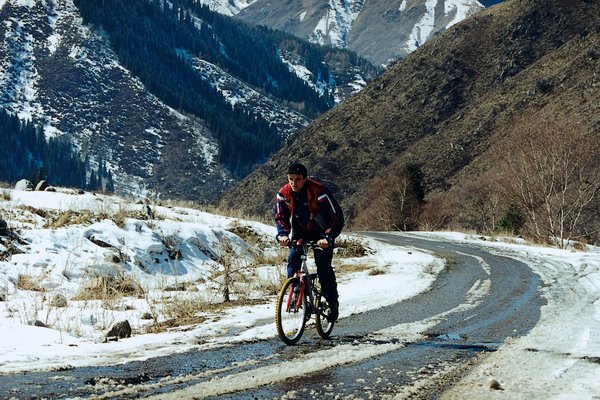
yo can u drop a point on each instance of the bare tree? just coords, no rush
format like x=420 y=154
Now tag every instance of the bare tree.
x=231 y=265
x=552 y=173
x=480 y=203
x=392 y=203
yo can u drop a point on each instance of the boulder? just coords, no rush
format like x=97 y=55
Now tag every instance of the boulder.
x=147 y=315
x=119 y=330
x=3 y=228
x=24 y=184
x=41 y=186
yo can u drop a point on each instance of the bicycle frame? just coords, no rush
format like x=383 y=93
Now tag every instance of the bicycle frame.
x=302 y=275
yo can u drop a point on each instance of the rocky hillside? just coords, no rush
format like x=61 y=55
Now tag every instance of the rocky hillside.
x=446 y=107
x=162 y=97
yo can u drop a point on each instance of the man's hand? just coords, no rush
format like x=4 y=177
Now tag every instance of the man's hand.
x=323 y=243
x=284 y=241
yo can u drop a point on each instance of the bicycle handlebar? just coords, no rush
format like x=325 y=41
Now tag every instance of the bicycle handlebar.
x=313 y=245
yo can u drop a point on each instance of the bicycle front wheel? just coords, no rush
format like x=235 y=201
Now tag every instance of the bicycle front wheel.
x=291 y=312
x=324 y=326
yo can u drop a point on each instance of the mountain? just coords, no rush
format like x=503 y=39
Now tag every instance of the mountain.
x=172 y=99
x=381 y=31
x=445 y=109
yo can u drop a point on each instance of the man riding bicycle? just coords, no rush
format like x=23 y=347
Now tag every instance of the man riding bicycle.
x=306 y=210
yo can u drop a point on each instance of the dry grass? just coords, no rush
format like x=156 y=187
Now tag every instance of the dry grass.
x=580 y=246
x=278 y=257
x=377 y=271
x=123 y=213
x=5 y=195
x=163 y=326
x=68 y=217
x=108 y=288
x=28 y=282
x=37 y=211
x=246 y=233
x=181 y=312
x=348 y=248
x=236 y=212
x=354 y=267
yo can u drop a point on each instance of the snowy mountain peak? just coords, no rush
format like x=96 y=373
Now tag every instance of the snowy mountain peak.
x=381 y=31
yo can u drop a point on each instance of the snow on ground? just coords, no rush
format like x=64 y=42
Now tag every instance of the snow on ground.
x=559 y=358
x=66 y=260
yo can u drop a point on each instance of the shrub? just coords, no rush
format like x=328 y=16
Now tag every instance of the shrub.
x=350 y=248
x=512 y=220
x=246 y=233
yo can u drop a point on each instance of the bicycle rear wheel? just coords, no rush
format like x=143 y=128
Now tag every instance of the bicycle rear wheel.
x=324 y=326
x=291 y=312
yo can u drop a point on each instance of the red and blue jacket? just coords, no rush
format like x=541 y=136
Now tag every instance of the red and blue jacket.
x=312 y=214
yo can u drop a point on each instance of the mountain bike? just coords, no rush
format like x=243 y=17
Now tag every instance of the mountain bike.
x=299 y=298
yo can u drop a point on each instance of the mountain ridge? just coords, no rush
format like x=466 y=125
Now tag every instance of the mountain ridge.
x=65 y=75
x=445 y=107
x=358 y=25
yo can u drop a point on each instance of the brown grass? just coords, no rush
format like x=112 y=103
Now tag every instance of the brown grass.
x=377 y=271
x=4 y=195
x=110 y=288
x=354 y=267
x=68 y=217
x=348 y=248
x=37 y=211
x=185 y=311
x=28 y=282
x=246 y=233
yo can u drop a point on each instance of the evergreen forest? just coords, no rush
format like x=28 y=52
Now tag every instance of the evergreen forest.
x=150 y=38
x=25 y=153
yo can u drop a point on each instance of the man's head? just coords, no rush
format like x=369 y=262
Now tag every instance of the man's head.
x=297 y=176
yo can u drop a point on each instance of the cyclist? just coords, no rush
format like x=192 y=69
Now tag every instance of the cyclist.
x=306 y=210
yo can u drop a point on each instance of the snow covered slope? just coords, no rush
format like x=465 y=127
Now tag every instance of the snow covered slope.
x=60 y=73
x=381 y=31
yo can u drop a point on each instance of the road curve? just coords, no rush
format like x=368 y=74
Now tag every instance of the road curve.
x=476 y=302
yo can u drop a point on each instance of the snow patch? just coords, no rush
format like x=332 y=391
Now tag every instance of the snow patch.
x=334 y=27
x=227 y=7
x=423 y=28
x=461 y=9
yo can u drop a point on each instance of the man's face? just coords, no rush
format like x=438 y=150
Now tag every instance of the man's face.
x=296 y=181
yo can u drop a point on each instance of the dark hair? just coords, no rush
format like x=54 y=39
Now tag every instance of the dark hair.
x=297 y=168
